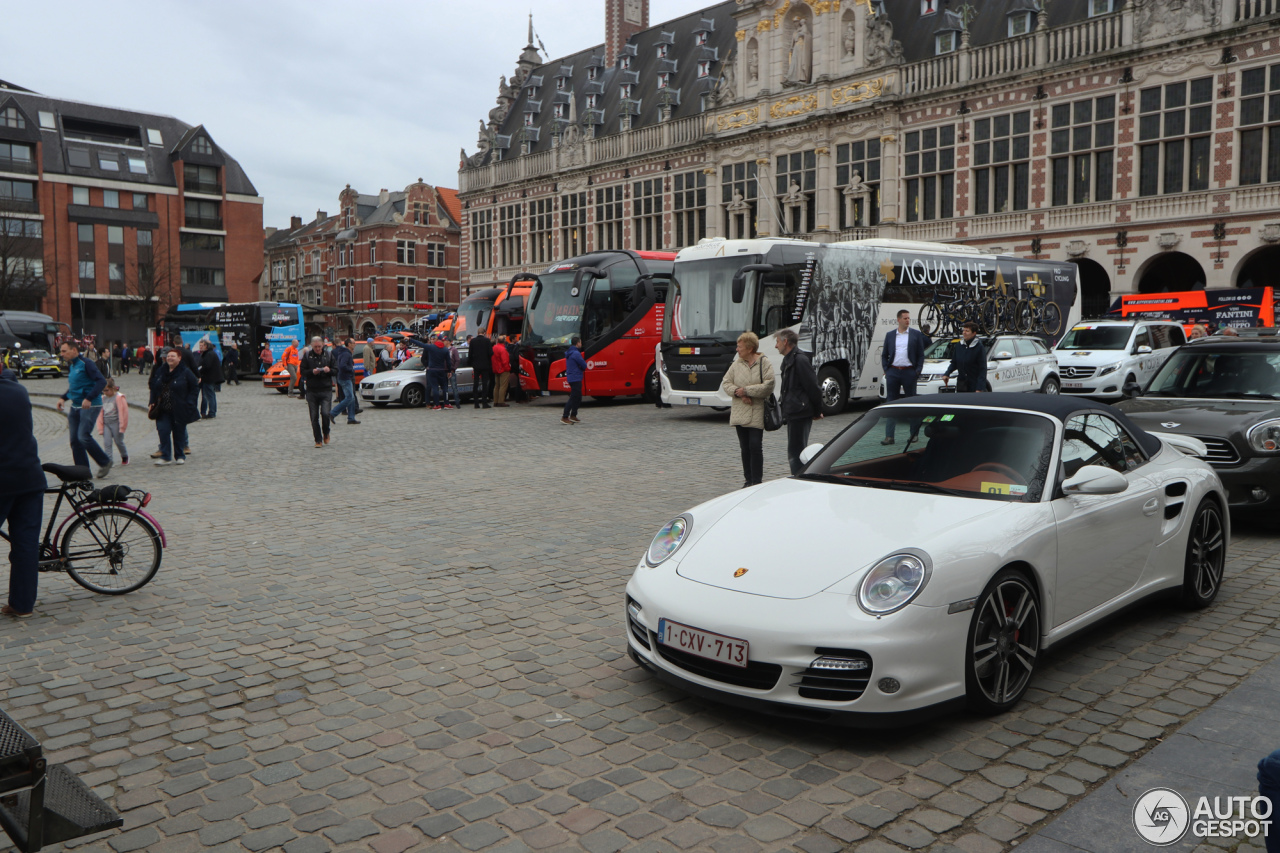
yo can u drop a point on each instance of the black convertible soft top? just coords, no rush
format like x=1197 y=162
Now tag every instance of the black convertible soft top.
x=1058 y=406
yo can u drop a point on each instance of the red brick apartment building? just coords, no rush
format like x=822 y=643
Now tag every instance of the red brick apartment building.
x=381 y=263
x=114 y=215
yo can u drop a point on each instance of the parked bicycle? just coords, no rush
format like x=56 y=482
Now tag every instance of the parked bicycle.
x=107 y=543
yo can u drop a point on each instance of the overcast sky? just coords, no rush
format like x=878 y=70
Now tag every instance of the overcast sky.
x=308 y=96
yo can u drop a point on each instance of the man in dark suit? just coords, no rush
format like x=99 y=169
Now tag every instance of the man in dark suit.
x=901 y=360
x=21 y=494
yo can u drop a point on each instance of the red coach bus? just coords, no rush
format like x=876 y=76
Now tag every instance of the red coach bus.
x=615 y=300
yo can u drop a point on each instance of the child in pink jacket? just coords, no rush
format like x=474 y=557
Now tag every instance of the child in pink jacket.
x=113 y=421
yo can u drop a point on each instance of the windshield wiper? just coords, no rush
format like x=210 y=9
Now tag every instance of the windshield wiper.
x=1244 y=395
x=838 y=479
x=928 y=487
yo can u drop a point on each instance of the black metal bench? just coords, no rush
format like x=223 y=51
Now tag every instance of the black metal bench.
x=42 y=805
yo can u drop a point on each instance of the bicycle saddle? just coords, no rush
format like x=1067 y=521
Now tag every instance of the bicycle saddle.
x=68 y=473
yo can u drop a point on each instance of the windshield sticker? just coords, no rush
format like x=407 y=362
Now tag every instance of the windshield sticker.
x=929 y=419
x=948 y=417
x=997 y=489
x=1017 y=490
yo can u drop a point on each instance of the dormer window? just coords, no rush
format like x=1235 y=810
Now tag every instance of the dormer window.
x=704 y=68
x=663 y=49
x=624 y=91
x=1019 y=24
x=558 y=111
x=200 y=145
x=528 y=119
x=593 y=72
x=624 y=63
x=928 y=7
x=945 y=43
x=593 y=102
x=10 y=117
x=1101 y=7
x=700 y=38
x=562 y=83
x=664 y=80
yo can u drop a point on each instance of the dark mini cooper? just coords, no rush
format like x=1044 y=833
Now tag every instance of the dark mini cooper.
x=1226 y=392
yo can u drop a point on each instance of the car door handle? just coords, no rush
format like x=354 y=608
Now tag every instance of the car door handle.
x=1151 y=506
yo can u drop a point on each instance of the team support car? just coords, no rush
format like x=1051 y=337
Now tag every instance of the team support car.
x=38 y=363
x=1006 y=524
x=1018 y=363
x=1099 y=358
x=1225 y=392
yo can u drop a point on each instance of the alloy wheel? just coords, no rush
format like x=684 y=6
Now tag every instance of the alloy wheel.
x=1206 y=551
x=1006 y=640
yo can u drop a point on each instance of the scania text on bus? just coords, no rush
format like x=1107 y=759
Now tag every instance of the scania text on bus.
x=841 y=299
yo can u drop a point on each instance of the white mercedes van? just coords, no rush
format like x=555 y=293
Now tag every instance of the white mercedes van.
x=1097 y=358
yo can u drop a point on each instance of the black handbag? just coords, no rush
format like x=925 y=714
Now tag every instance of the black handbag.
x=772 y=409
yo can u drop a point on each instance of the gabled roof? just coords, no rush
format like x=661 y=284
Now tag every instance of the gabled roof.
x=449 y=200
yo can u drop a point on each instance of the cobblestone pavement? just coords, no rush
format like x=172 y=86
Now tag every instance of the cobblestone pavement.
x=413 y=640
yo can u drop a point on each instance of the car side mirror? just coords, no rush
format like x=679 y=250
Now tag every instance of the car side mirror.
x=1132 y=389
x=1002 y=355
x=1096 y=480
x=1143 y=350
x=809 y=452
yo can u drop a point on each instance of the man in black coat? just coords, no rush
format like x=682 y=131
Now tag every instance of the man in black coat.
x=801 y=398
x=316 y=372
x=210 y=380
x=22 y=487
x=969 y=360
x=231 y=364
x=481 y=355
x=190 y=362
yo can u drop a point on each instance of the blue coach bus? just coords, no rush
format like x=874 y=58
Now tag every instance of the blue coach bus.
x=249 y=324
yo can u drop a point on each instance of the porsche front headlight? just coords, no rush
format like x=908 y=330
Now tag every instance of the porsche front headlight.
x=1265 y=437
x=669 y=538
x=893 y=582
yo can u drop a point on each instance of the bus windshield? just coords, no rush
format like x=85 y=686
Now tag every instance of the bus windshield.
x=473 y=316
x=559 y=314
x=705 y=307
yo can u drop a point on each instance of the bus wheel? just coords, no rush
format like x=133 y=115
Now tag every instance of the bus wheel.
x=834 y=389
x=652 y=385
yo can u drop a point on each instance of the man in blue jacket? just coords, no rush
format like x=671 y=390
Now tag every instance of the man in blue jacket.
x=575 y=368
x=435 y=358
x=21 y=494
x=345 y=368
x=84 y=391
x=901 y=359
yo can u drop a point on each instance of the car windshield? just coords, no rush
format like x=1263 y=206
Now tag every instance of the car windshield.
x=558 y=314
x=705 y=307
x=37 y=353
x=979 y=453
x=1193 y=372
x=1096 y=337
x=414 y=363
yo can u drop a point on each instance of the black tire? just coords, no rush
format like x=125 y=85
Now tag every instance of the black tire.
x=381 y=405
x=111 y=550
x=834 y=389
x=1206 y=556
x=999 y=661
x=1024 y=317
x=1051 y=319
x=284 y=390
x=413 y=397
x=652 y=385
x=1050 y=385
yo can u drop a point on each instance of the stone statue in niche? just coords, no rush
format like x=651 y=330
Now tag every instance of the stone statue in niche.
x=794 y=196
x=849 y=40
x=753 y=62
x=881 y=47
x=800 y=61
x=738 y=204
x=727 y=89
x=1175 y=17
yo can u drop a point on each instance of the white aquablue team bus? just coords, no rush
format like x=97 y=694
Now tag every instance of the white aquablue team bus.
x=841 y=299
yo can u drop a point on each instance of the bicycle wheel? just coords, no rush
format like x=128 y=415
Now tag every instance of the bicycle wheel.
x=1024 y=317
x=931 y=316
x=990 y=321
x=1051 y=319
x=111 y=550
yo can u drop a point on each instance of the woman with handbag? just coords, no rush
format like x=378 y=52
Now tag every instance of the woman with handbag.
x=749 y=381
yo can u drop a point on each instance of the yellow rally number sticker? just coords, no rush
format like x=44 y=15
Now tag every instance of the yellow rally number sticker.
x=995 y=488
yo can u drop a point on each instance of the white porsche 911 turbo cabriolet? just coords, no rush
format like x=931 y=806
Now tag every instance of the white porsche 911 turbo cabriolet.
x=889 y=579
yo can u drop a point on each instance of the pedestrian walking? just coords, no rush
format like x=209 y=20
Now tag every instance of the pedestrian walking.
x=84 y=391
x=22 y=487
x=575 y=371
x=171 y=385
x=126 y=355
x=481 y=354
x=290 y=359
x=749 y=380
x=969 y=361
x=435 y=358
x=455 y=359
x=344 y=371
x=117 y=353
x=265 y=359
x=148 y=360
x=113 y=420
x=901 y=360
x=210 y=380
x=102 y=360
x=317 y=369
x=231 y=364
x=501 y=362
x=800 y=395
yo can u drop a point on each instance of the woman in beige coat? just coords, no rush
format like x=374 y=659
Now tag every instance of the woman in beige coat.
x=749 y=380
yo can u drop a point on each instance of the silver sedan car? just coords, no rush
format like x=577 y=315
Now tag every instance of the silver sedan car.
x=406 y=385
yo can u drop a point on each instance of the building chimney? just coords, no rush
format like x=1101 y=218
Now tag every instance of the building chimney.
x=622 y=20
x=268 y=231
x=295 y=222
x=321 y=216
